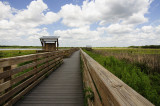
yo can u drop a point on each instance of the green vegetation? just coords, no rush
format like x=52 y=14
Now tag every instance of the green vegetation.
x=89 y=94
x=130 y=50
x=14 y=47
x=135 y=76
x=64 y=47
x=145 y=58
x=26 y=47
x=140 y=47
x=12 y=53
x=147 y=46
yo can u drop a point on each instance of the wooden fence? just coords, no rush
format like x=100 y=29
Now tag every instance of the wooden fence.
x=105 y=89
x=20 y=74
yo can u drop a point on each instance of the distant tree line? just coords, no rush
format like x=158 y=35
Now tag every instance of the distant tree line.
x=147 y=46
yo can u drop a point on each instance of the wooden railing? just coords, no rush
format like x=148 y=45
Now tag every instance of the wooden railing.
x=106 y=88
x=20 y=74
x=68 y=52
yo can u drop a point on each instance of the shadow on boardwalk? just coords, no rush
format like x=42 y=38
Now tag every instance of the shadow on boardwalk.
x=62 y=88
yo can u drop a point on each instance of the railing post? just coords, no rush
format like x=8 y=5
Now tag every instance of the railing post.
x=36 y=60
x=48 y=61
x=1 y=80
x=8 y=78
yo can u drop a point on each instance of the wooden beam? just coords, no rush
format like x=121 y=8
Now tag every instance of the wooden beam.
x=88 y=82
x=8 y=78
x=20 y=59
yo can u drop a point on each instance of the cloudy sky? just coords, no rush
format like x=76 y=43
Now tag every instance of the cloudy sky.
x=80 y=22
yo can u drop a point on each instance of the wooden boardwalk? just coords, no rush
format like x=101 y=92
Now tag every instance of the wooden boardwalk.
x=62 y=88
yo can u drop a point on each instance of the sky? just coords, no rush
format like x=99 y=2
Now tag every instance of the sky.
x=99 y=23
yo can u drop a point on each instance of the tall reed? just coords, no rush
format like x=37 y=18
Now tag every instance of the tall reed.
x=142 y=58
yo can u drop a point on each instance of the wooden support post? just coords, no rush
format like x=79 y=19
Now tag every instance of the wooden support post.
x=48 y=61
x=1 y=71
x=8 y=78
x=1 y=81
x=57 y=44
x=44 y=46
x=35 y=67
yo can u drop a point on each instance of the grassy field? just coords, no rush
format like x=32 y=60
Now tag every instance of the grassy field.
x=12 y=53
x=146 y=57
x=27 y=47
x=134 y=73
x=11 y=47
x=129 y=50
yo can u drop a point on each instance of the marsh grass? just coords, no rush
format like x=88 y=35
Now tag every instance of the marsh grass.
x=132 y=75
x=145 y=58
x=22 y=47
x=12 y=53
x=130 y=50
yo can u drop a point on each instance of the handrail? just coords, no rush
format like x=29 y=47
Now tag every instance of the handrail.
x=107 y=88
x=68 y=52
x=29 y=71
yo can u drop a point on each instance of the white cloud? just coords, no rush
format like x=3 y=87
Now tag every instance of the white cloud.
x=72 y=15
x=135 y=19
x=21 y=25
x=120 y=16
x=5 y=24
x=5 y=10
x=113 y=35
x=81 y=33
x=34 y=15
x=119 y=29
x=117 y=23
x=105 y=11
x=147 y=29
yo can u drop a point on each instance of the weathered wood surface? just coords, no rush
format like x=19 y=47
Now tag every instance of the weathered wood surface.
x=20 y=59
x=68 y=52
x=112 y=91
x=62 y=88
x=88 y=83
x=29 y=71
